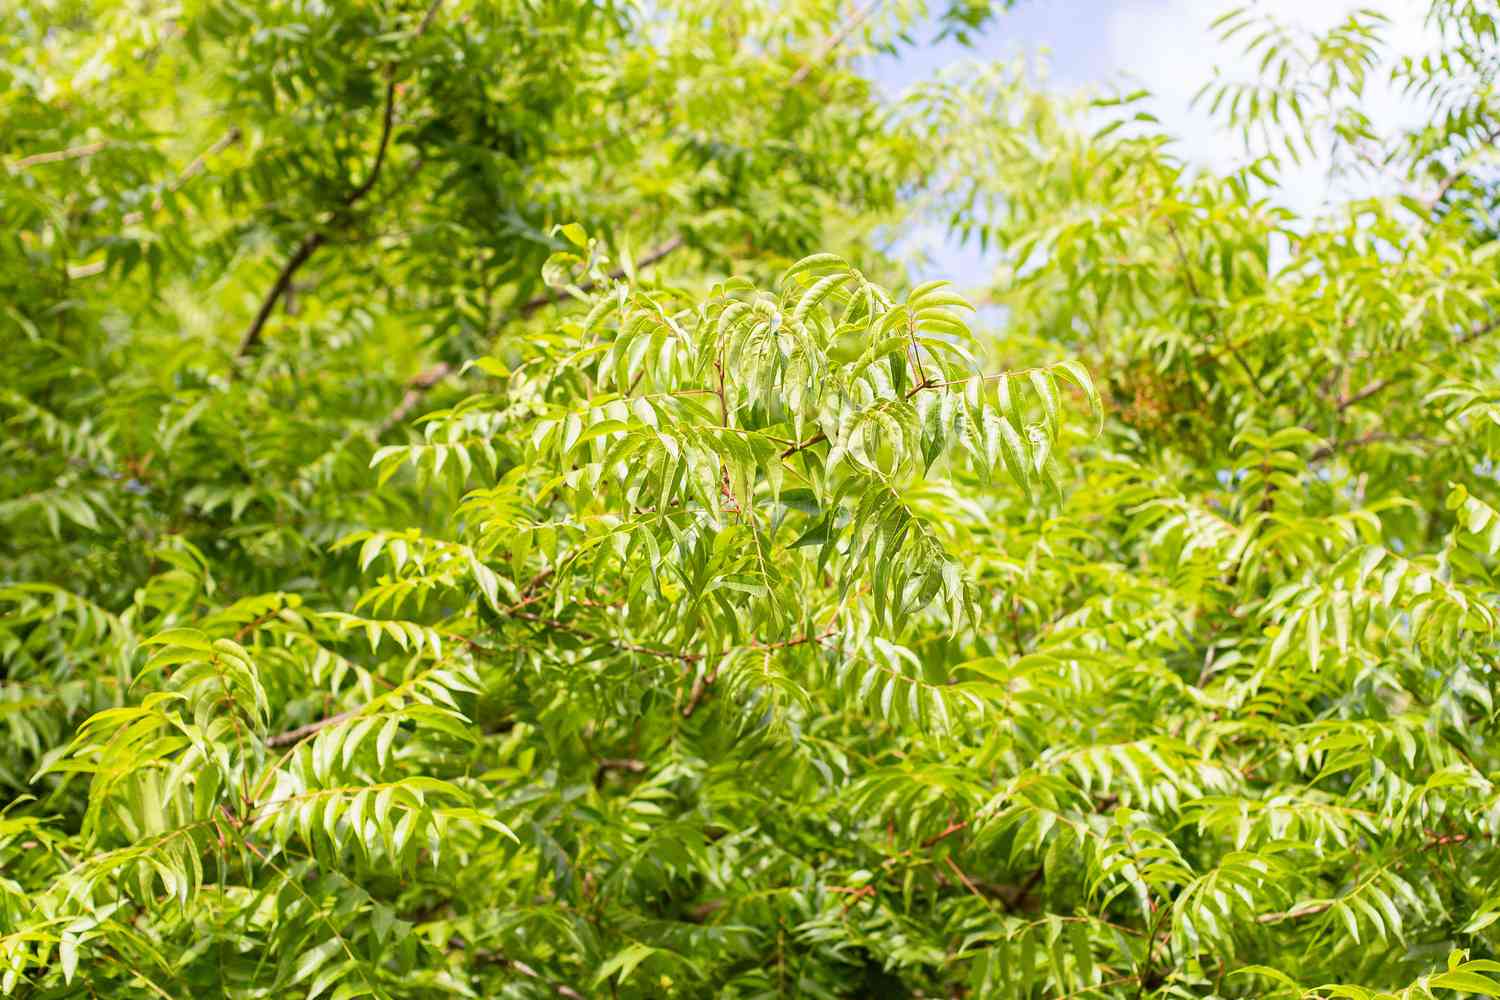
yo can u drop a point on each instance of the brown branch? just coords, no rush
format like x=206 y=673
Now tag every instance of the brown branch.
x=59 y=155
x=622 y=764
x=620 y=644
x=833 y=41
x=419 y=384
x=1295 y=913
x=1378 y=386
x=1373 y=437
x=699 y=690
x=1192 y=284
x=607 y=764
x=416 y=388
x=495 y=957
x=973 y=889
x=701 y=685
x=314 y=240
x=302 y=732
x=299 y=734
x=193 y=169
x=947 y=832
x=255 y=623
x=1143 y=974
x=303 y=253
x=387 y=123
x=1461 y=172
x=426 y=22
x=1364 y=393
x=817 y=438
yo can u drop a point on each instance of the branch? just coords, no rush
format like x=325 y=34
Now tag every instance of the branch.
x=619 y=644
x=1192 y=284
x=1296 y=912
x=1381 y=384
x=301 y=733
x=607 y=764
x=58 y=156
x=386 y=124
x=1460 y=172
x=561 y=989
x=317 y=725
x=1373 y=437
x=193 y=169
x=817 y=438
x=1144 y=972
x=312 y=241
x=947 y=832
x=699 y=690
x=304 y=252
x=420 y=383
x=702 y=684
x=833 y=41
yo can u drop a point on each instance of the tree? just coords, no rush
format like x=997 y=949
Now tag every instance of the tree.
x=465 y=536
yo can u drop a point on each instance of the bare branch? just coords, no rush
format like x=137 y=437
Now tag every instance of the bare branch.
x=192 y=170
x=1373 y=437
x=1192 y=285
x=312 y=241
x=301 y=733
x=303 y=253
x=1462 y=171
x=834 y=41
x=1378 y=386
x=1297 y=912
x=59 y=155
x=419 y=385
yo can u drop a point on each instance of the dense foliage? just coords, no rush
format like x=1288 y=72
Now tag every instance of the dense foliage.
x=487 y=512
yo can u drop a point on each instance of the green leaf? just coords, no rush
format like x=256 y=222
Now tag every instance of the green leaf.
x=624 y=962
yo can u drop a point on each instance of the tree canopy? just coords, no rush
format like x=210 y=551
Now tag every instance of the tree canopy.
x=490 y=510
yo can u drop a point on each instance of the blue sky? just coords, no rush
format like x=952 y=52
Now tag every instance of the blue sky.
x=1165 y=46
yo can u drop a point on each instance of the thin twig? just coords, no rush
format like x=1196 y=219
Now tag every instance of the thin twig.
x=299 y=734
x=1460 y=172
x=833 y=41
x=59 y=155
x=1295 y=913
x=419 y=384
x=1192 y=284
x=701 y=685
x=1378 y=386
x=193 y=169
x=314 y=240
x=699 y=689
x=947 y=832
x=1144 y=974
x=1373 y=437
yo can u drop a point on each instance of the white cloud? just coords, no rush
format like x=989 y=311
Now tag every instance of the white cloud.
x=1169 y=47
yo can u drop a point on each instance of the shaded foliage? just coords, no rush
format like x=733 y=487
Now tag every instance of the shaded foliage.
x=463 y=535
